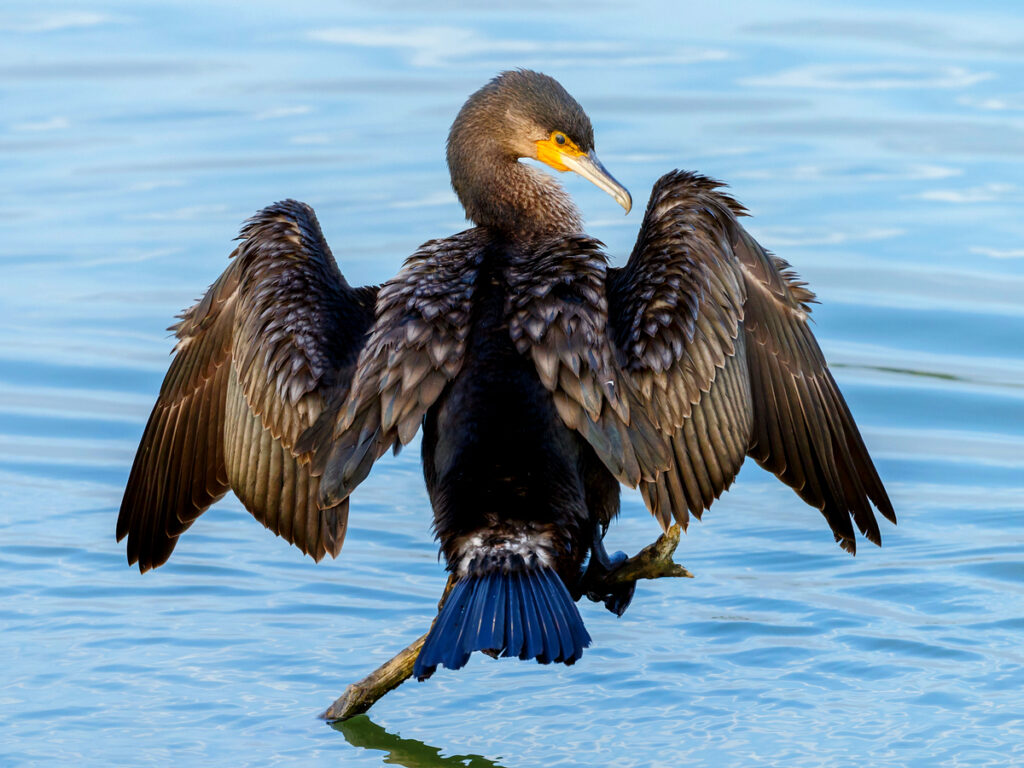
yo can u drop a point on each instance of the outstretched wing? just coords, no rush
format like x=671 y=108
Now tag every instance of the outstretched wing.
x=803 y=429
x=414 y=350
x=270 y=345
x=714 y=338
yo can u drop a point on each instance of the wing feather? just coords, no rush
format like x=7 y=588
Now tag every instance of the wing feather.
x=676 y=310
x=713 y=333
x=804 y=432
x=258 y=358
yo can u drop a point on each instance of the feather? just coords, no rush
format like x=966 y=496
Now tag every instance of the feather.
x=722 y=359
x=245 y=382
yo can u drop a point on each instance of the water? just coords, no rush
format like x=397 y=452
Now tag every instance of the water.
x=880 y=151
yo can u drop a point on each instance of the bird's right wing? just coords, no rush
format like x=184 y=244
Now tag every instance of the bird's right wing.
x=803 y=430
x=714 y=336
x=270 y=345
x=677 y=311
x=414 y=350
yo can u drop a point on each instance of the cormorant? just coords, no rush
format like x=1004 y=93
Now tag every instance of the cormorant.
x=541 y=376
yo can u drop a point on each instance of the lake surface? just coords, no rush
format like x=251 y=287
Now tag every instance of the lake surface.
x=880 y=150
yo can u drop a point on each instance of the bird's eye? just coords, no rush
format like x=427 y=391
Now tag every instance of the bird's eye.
x=560 y=138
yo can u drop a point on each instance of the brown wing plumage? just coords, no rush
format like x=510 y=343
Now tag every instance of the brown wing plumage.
x=677 y=312
x=803 y=429
x=712 y=332
x=179 y=467
x=414 y=350
x=272 y=343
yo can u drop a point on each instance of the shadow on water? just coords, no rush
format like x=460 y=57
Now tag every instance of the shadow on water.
x=362 y=732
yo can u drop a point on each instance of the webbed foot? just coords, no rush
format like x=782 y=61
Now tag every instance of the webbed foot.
x=617 y=597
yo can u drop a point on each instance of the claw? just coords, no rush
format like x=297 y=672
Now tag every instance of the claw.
x=615 y=598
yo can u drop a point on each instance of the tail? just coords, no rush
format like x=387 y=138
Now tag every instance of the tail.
x=525 y=613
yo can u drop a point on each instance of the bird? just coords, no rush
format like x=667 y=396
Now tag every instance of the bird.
x=542 y=378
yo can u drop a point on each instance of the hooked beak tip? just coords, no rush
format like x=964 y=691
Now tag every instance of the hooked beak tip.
x=590 y=168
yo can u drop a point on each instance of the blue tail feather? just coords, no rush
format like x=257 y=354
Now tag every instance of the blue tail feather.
x=513 y=620
x=545 y=632
x=579 y=637
x=528 y=614
x=533 y=644
x=492 y=633
x=562 y=642
x=470 y=632
x=439 y=642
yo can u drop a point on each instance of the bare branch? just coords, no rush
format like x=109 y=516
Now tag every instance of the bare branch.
x=359 y=697
x=652 y=562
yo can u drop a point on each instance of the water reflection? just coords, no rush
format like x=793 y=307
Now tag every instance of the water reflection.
x=360 y=731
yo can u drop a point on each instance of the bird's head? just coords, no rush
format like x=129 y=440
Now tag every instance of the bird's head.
x=522 y=113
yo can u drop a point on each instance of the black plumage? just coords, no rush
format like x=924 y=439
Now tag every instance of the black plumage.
x=542 y=378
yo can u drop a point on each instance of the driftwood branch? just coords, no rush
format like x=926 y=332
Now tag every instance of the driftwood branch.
x=652 y=562
x=359 y=697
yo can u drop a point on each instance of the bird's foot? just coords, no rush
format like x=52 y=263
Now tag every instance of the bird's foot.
x=617 y=597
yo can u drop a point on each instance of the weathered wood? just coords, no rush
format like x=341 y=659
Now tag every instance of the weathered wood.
x=652 y=562
x=359 y=697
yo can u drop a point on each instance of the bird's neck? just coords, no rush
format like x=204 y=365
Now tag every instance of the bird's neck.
x=518 y=200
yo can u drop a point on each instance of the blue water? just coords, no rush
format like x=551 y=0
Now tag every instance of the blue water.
x=880 y=150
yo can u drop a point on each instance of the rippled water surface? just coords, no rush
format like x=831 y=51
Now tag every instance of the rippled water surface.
x=880 y=150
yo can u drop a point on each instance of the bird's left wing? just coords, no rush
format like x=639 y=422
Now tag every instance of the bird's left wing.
x=677 y=311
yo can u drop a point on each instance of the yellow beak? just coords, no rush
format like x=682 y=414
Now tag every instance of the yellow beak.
x=568 y=157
